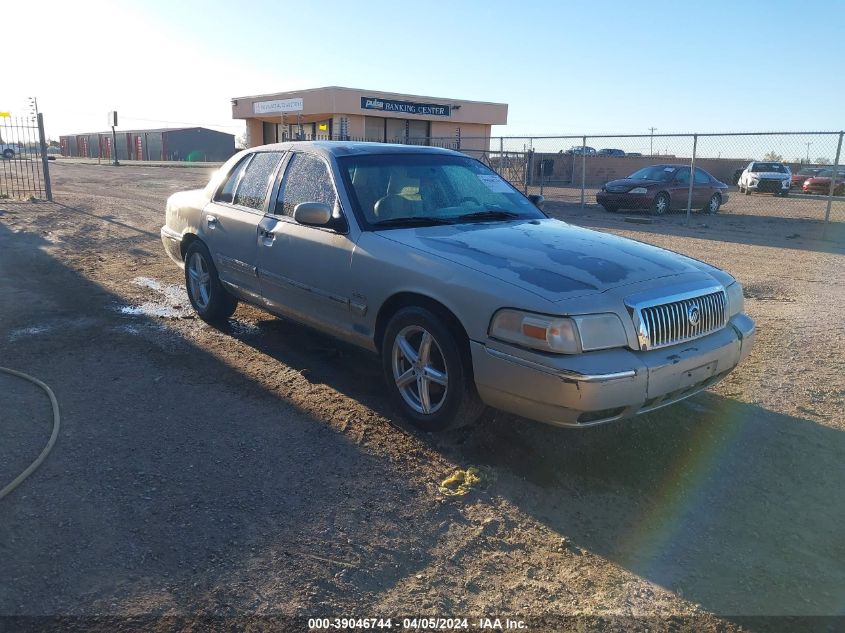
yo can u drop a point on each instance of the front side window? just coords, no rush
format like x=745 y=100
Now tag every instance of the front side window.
x=682 y=176
x=306 y=179
x=701 y=177
x=252 y=189
x=430 y=188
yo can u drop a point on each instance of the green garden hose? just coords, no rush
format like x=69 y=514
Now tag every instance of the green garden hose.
x=56 y=421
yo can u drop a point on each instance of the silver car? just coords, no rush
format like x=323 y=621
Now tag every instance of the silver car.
x=469 y=293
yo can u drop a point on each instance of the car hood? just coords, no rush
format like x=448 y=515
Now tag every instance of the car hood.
x=631 y=183
x=550 y=258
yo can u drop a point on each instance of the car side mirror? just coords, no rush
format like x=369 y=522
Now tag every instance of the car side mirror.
x=312 y=213
x=537 y=200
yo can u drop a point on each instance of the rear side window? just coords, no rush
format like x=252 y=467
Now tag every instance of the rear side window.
x=306 y=180
x=227 y=192
x=252 y=189
x=701 y=177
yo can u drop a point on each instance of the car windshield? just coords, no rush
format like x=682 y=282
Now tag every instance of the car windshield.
x=410 y=189
x=808 y=172
x=827 y=173
x=768 y=167
x=656 y=172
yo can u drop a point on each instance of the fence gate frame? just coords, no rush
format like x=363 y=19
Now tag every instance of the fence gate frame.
x=24 y=168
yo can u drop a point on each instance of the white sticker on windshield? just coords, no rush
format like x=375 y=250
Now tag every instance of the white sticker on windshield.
x=494 y=183
x=668 y=169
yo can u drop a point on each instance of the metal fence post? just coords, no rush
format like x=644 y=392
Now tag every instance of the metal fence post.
x=833 y=181
x=501 y=155
x=542 y=174
x=583 y=168
x=691 y=176
x=48 y=189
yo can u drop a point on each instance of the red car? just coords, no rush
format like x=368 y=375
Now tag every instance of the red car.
x=662 y=188
x=820 y=184
x=798 y=179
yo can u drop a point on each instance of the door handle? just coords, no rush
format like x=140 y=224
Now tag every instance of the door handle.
x=266 y=233
x=211 y=220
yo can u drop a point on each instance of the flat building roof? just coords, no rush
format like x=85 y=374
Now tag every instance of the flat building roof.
x=329 y=101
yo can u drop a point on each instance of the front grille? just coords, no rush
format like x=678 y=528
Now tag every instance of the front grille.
x=618 y=188
x=678 y=321
x=769 y=185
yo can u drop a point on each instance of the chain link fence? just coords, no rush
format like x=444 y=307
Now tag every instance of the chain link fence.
x=573 y=170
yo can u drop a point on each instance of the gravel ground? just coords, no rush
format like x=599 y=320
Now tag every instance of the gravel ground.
x=261 y=471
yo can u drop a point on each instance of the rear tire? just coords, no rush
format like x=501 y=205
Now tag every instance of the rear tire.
x=211 y=301
x=427 y=375
x=8 y=154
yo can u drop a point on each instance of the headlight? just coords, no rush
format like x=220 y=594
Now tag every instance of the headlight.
x=736 y=300
x=638 y=190
x=562 y=335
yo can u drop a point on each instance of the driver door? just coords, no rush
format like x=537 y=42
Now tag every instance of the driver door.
x=304 y=271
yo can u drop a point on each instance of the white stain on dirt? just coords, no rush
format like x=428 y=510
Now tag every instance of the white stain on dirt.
x=170 y=301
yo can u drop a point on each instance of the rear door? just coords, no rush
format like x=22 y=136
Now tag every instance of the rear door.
x=680 y=188
x=703 y=188
x=230 y=221
x=304 y=271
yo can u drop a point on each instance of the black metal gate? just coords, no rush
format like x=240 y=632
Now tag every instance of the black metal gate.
x=24 y=170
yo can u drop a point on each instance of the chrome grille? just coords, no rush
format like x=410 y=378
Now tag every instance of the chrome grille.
x=678 y=321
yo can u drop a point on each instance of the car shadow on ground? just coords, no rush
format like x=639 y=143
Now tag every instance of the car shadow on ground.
x=179 y=484
x=727 y=504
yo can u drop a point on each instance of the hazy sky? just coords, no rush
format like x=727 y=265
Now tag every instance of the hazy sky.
x=563 y=67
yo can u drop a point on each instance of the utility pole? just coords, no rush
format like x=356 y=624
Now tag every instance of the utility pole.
x=808 y=152
x=651 y=144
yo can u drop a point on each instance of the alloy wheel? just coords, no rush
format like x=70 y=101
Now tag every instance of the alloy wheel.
x=199 y=280
x=419 y=369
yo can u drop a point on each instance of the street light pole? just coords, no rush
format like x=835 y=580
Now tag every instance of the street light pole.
x=808 y=152
x=651 y=144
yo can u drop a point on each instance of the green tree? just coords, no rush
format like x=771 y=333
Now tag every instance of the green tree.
x=823 y=160
x=773 y=157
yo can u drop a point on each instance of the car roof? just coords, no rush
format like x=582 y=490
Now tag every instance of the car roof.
x=347 y=148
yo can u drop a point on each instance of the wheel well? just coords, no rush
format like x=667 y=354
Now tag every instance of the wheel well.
x=187 y=240
x=408 y=299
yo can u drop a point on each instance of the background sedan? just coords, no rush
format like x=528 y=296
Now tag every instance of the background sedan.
x=661 y=188
x=820 y=184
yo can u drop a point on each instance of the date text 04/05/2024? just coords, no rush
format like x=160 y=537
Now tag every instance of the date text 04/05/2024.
x=416 y=624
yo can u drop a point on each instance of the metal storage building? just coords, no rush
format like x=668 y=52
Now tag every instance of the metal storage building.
x=178 y=144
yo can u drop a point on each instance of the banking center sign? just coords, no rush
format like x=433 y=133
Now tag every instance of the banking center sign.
x=405 y=107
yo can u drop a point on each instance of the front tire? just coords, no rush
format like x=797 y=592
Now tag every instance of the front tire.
x=8 y=154
x=713 y=204
x=661 y=204
x=211 y=301
x=428 y=377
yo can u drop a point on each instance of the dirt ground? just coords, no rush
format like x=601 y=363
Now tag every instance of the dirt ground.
x=261 y=471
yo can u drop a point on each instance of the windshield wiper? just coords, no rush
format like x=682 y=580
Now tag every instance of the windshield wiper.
x=418 y=220
x=488 y=214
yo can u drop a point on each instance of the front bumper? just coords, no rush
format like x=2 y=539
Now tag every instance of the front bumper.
x=597 y=387
x=624 y=200
x=172 y=242
x=770 y=186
